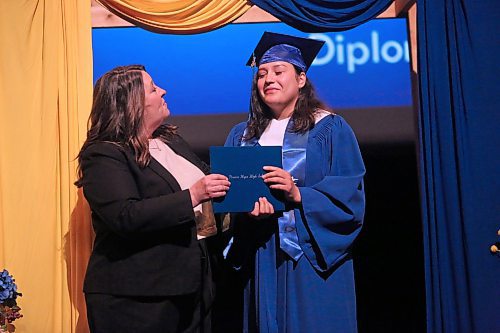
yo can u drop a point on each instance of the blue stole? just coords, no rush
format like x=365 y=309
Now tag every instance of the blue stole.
x=294 y=161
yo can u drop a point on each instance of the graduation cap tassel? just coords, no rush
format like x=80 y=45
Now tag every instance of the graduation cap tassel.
x=253 y=65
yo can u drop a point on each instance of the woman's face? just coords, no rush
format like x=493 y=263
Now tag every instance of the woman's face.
x=155 y=107
x=279 y=85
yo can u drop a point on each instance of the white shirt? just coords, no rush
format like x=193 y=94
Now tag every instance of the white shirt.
x=275 y=132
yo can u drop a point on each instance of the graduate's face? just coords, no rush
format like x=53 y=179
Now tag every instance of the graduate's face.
x=279 y=84
x=155 y=108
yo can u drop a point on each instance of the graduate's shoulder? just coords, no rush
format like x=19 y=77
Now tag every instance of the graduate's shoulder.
x=237 y=131
x=332 y=124
x=239 y=128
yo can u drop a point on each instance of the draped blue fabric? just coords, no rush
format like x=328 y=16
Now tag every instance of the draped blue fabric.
x=326 y=15
x=459 y=126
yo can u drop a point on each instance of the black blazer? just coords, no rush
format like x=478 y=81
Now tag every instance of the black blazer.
x=144 y=223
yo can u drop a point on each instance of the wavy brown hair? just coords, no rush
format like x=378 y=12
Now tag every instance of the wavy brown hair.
x=117 y=114
x=303 y=114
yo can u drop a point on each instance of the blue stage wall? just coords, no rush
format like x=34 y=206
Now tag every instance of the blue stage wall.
x=366 y=67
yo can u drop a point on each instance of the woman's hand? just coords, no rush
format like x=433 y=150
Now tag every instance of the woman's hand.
x=279 y=179
x=262 y=209
x=209 y=187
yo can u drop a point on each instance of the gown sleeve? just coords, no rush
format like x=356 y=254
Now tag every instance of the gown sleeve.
x=332 y=209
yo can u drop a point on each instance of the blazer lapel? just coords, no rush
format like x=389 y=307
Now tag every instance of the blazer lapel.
x=163 y=173
x=180 y=147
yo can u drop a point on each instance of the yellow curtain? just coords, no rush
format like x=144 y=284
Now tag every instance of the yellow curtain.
x=45 y=99
x=178 y=16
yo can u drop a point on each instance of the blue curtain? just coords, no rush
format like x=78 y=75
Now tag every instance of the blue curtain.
x=326 y=15
x=459 y=54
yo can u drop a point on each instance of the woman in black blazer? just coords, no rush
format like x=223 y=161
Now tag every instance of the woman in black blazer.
x=148 y=192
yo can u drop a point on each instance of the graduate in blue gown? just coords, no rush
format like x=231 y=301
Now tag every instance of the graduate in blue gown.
x=299 y=265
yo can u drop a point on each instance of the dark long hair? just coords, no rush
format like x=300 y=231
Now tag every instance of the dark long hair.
x=117 y=114
x=303 y=114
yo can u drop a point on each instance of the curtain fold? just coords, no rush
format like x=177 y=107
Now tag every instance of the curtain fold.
x=178 y=16
x=45 y=99
x=323 y=15
x=459 y=123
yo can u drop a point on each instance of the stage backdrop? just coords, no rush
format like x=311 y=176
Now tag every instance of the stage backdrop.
x=363 y=73
x=206 y=74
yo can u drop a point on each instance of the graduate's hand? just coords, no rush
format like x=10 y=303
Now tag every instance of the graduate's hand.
x=209 y=187
x=262 y=209
x=279 y=179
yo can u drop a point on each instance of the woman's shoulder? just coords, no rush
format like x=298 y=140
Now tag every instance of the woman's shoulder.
x=104 y=148
x=238 y=129
x=236 y=133
x=331 y=124
x=330 y=120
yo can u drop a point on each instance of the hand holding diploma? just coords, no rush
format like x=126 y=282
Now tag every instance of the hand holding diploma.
x=209 y=187
x=279 y=179
x=262 y=209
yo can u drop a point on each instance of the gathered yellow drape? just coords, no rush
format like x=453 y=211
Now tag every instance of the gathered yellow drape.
x=178 y=16
x=45 y=99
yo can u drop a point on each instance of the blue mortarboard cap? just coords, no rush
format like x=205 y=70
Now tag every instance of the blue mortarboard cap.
x=278 y=47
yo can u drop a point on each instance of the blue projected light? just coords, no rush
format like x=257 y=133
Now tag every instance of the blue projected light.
x=206 y=74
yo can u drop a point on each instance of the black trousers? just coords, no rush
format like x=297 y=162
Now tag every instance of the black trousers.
x=172 y=314
x=155 y=314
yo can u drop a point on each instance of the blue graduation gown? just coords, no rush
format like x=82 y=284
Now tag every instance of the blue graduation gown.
x=315 y=293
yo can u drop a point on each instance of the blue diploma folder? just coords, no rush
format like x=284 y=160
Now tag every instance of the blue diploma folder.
x=243 y=167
